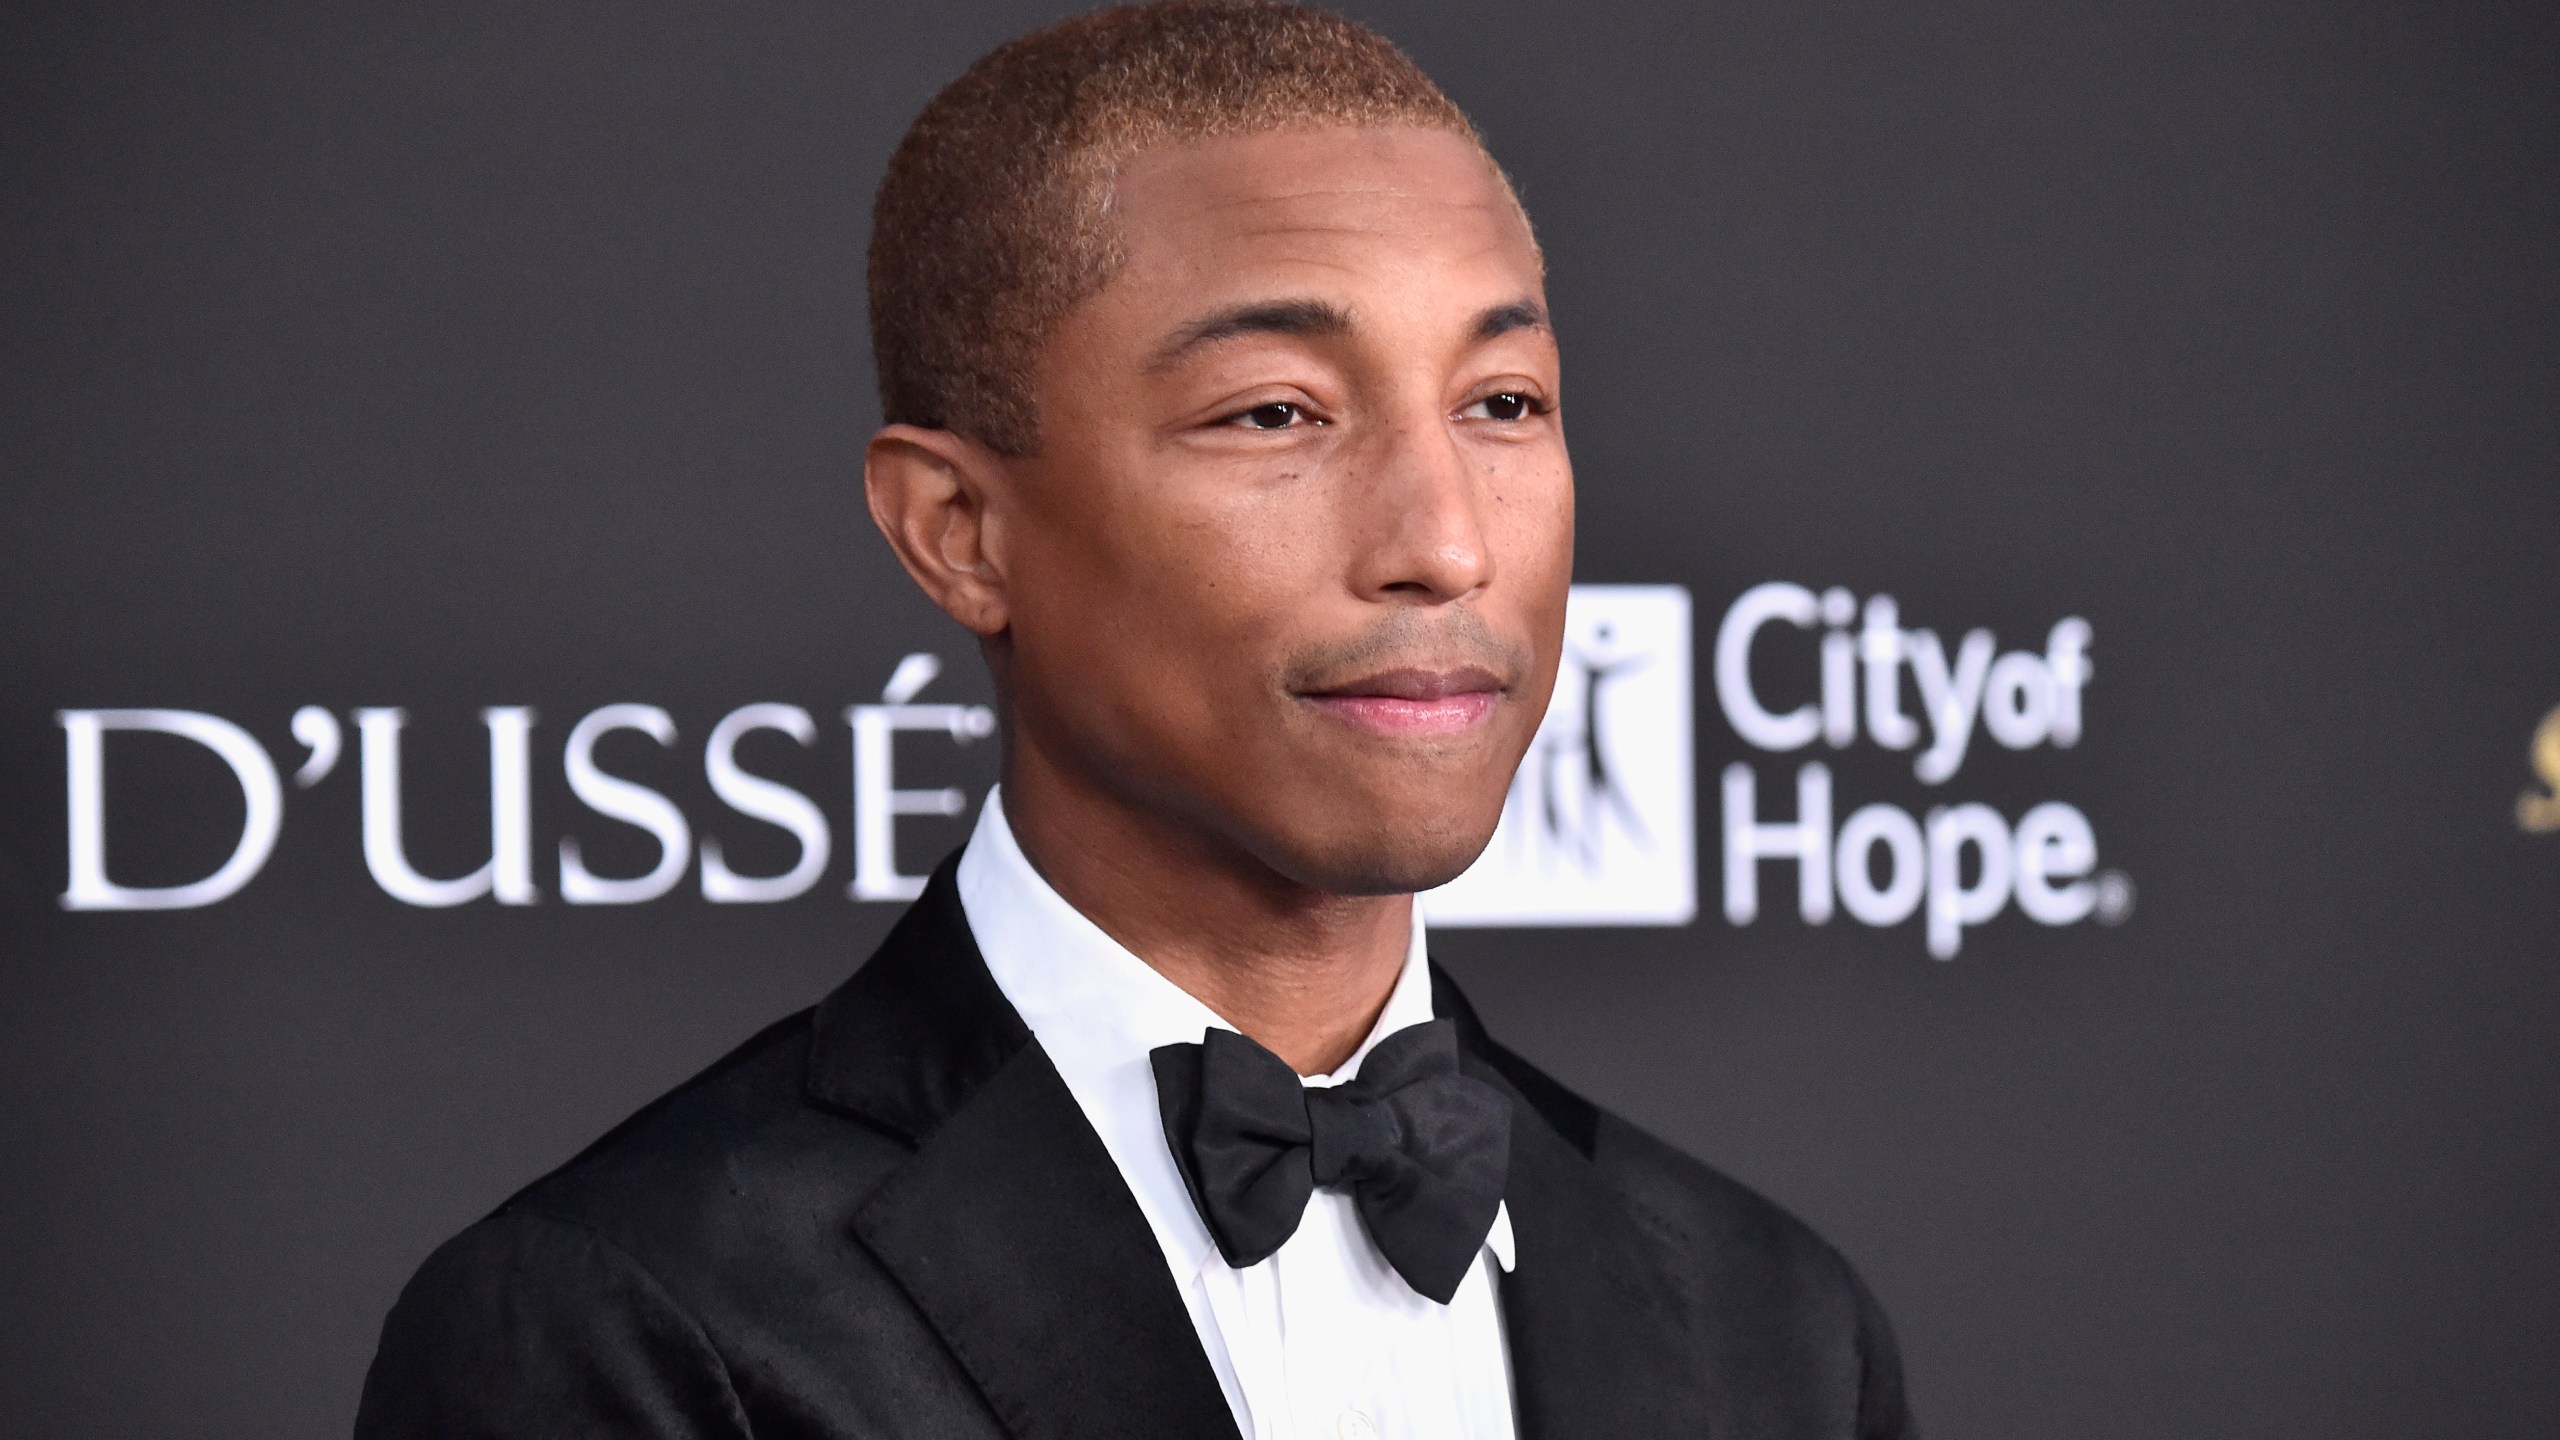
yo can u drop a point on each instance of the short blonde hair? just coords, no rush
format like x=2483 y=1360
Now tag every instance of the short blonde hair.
x=994 y=219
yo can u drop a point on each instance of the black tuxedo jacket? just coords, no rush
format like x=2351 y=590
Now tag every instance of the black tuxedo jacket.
x=886 y=1216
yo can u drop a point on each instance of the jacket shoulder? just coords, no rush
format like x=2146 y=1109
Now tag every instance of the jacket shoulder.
x=1779 y=1292
x=528 y=1325
x=735 y=1160
x=1702 y=1208
x=797 y=1125
x=1684 y=1199
x=696 y=1272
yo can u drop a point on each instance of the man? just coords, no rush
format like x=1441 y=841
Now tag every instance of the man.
x=1223 y=409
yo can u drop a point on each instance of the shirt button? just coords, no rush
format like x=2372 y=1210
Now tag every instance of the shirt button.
x=1355 y=1426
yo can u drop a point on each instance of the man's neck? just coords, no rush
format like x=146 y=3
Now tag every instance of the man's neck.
x=1302 y=972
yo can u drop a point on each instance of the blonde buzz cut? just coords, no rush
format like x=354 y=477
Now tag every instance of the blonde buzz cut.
x=995 y=217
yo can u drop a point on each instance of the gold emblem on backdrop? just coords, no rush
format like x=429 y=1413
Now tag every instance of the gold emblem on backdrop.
x=2538 y=811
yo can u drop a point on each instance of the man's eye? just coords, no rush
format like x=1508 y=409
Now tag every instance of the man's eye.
x=1506 y=406
x=1278 y=415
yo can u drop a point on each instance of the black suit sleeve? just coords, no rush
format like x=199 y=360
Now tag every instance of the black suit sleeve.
x=526 y=1326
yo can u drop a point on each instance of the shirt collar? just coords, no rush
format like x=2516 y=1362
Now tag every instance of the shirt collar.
x=1098 y=1010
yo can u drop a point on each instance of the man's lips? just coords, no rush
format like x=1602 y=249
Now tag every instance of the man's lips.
x=1413 y=701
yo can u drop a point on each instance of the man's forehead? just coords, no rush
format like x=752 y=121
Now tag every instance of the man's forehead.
x=1280 y=190
x=1292 y=233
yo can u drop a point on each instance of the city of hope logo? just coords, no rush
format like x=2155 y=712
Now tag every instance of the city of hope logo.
x=1599 y=826
x=2046 y=862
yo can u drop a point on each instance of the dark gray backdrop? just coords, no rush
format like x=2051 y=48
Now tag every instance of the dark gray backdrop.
x=462 y=356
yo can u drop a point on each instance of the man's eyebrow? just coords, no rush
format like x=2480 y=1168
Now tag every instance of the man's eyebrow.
x=1503 y=319
x=1279 y=317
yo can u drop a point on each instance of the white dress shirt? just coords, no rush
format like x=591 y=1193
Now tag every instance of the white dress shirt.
x=1323 y=1338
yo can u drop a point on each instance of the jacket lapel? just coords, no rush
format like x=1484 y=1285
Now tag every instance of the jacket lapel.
x=1600 y=1336
x=1011 y=1229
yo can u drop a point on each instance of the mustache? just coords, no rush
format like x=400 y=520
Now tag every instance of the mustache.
x=1409 y=640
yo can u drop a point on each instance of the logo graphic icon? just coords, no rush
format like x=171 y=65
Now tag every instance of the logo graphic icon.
x=2538 y=811
x=1599 y=828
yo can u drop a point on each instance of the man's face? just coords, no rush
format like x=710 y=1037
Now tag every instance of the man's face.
x=1289 y=566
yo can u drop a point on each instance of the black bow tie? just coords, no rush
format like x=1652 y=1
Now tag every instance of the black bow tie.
x=1422 y=1149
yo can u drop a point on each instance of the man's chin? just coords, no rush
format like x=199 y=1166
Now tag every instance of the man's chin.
x=1398 y=861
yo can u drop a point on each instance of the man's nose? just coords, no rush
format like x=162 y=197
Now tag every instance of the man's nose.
x=1422 y=515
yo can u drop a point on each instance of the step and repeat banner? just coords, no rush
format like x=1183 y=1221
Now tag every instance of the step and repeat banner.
x=2055 y=774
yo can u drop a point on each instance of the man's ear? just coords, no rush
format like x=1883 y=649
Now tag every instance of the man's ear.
x=928 y=491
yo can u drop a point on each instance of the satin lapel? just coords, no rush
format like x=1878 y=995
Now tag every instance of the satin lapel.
x=1600 y=1334
x=1011 y=1229
x=1015 y=1235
